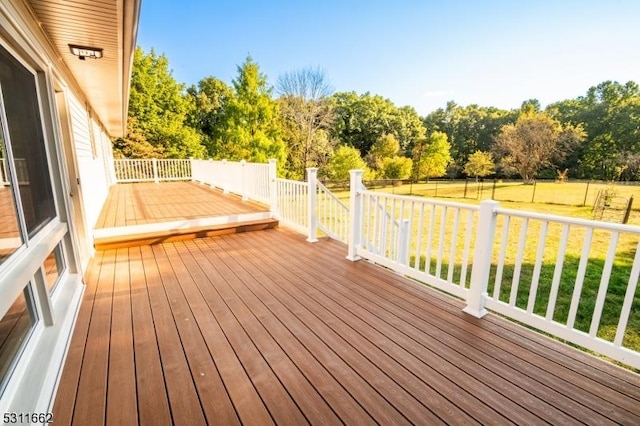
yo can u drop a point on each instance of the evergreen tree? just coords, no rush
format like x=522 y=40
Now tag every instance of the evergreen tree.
x=252 y=128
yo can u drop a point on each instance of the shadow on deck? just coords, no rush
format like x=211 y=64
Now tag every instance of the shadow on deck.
x=264 y=327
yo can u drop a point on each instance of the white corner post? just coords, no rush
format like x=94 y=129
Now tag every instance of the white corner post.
x=273 y=188
x=312 y=196
x=155 y=170
x=192 y=166
x=355 y=215
x=482 y=253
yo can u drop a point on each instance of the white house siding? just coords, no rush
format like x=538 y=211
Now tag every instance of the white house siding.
x=92 y=167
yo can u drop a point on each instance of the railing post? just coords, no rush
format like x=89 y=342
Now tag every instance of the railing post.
x=273 y=188
x=482 y=259
x=155 y=170
x=312 y=197
x=402 y=243
x=355 y=215
x=192 y=162
x=225 y=184
x=243 y=173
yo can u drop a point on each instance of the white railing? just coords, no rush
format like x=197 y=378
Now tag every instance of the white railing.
x=293 y=204
x=332 y=214
x=151 y=170
x=421 y=238
x=583 y=295
x=250 y=180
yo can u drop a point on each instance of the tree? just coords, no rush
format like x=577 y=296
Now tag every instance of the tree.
x=431 y=156
x=346 y=158
x=536 y=141
x=210 y=99
x=468 y=129
x=396 y=167
x=363 y=119
x=480 y=164
x=307 y=115
x=159 y=109
x=252 y=128
x=387 y=146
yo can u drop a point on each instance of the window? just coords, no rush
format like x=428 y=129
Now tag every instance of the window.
x=15 y=328
x=26 y=141
x=53 y=267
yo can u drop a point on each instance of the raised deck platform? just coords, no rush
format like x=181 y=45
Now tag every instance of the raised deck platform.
x=151 y=213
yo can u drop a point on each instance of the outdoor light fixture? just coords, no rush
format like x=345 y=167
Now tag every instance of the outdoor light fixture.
x=83 y=52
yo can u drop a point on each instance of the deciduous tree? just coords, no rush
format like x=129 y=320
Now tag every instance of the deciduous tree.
x=431 y=156
x=536 y=141
x=307 y=113
x=480 y=164
x=158 y=105
x=346 y=158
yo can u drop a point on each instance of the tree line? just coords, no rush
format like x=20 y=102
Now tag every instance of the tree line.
x=302 y=123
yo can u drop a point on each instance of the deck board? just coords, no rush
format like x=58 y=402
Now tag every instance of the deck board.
x=142 y=203
x=264 y=327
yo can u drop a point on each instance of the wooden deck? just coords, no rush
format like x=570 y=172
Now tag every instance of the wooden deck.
x=263 y=327
x=143 y=203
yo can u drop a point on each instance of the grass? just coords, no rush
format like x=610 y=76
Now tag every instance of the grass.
x=597 y=254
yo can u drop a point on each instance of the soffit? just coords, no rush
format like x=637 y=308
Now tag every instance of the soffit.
x=95 y=23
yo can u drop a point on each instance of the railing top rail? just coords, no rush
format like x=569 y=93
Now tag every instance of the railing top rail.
x=617 y=227
x=332 y=196
x=425 y=200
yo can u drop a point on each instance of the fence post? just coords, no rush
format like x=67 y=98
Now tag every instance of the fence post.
x=312 y=179
x=402 y=243
x=355 y=215
x=482 y=259
x=155 y=170
x=273 y=188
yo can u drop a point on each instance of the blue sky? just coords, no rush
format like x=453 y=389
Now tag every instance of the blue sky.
x=418 y=53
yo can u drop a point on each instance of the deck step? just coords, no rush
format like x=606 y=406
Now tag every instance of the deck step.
x=157 y=233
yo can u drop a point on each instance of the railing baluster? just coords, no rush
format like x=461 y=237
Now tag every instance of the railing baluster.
x=582 y=269
x=535 y=280
x=604 y=284
x=557 y=273
x=443 y=229
x=515 y=283
x=427 y=260
x=467 y=249
x=454 y=243
x=628 y=299
x=416 y=262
